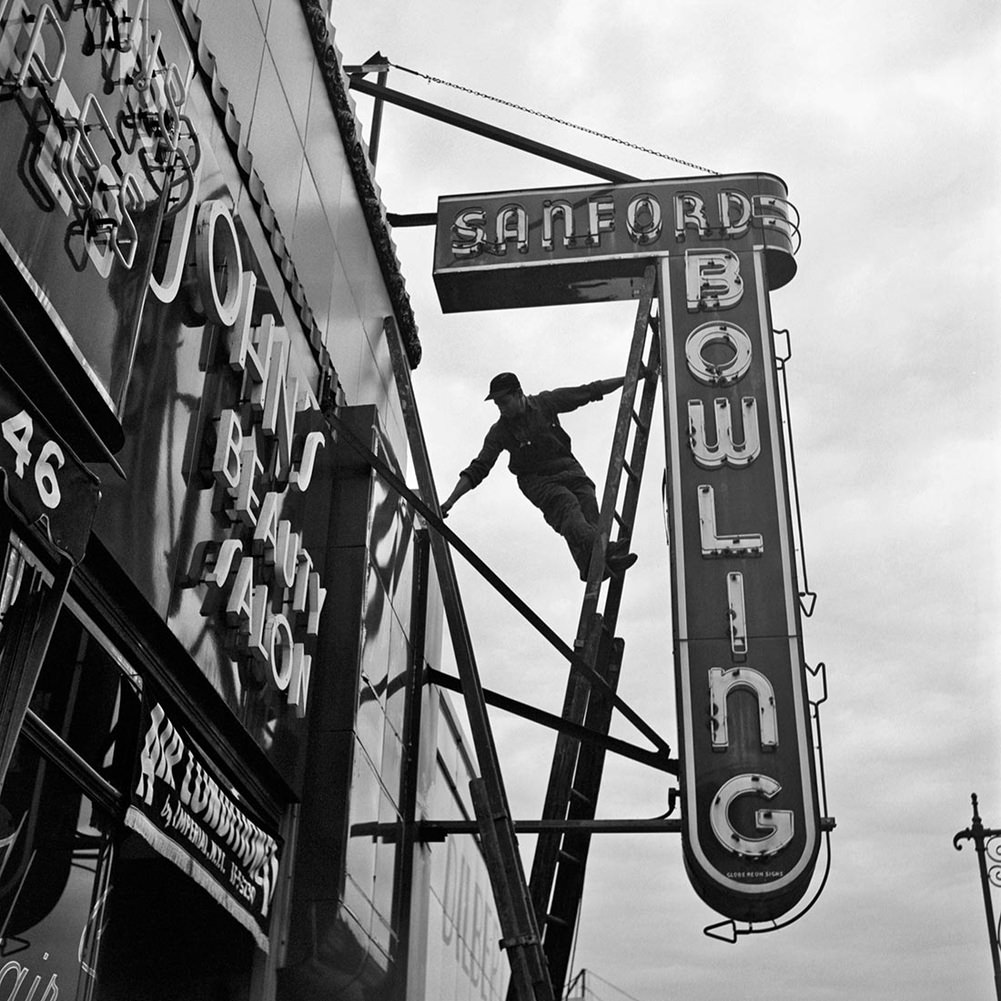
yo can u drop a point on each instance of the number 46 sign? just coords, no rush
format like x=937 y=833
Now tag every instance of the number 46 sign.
x=42 y=480
x=18 y=432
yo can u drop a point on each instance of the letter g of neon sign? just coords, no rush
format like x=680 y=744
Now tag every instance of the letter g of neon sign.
x=778 y=823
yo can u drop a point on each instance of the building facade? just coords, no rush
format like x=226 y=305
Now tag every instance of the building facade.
x=214 y=617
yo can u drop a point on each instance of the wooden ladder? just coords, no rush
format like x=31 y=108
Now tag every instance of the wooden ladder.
x=557 y=879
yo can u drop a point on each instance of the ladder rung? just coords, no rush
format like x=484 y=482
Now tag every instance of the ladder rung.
x=629 y=471
x=582 y=797
x=618 y=517
x=566 y=856
x=640 y=423
x=555 y=919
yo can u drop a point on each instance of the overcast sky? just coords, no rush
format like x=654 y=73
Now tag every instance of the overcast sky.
x=882 y=118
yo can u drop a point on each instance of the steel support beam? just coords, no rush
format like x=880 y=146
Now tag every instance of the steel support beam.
x=479 y=128
x=438 y=830
x=660 y=760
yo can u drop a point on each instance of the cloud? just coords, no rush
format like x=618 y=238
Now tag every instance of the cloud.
x=882 y=119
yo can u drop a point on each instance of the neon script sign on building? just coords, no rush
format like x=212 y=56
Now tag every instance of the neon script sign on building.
x=100 y=171
x=98 y=157
x=261 y=579
x=751 y=825
x=109 y=143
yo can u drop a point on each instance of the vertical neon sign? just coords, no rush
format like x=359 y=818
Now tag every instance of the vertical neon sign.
x=751 y=827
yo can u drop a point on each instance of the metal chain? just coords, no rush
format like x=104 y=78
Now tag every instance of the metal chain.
x=553 y=118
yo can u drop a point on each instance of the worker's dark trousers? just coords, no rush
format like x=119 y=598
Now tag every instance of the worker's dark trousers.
x=568 y=503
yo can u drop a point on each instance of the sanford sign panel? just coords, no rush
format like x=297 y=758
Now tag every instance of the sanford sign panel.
x=589 y=244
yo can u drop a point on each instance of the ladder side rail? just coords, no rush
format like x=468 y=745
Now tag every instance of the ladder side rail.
x=590 y=626
x=571 y=858
x=568 y=885
x=572 y=855
x=590 y=623
x=609 y=612
x=620 y=439
x=544 y=861
x=521 y=937
x=598 y=718
x=637 y=461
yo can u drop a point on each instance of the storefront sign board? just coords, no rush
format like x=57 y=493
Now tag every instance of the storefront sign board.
x=190 y=816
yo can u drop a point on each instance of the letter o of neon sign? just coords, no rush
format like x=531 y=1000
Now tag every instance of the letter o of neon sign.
x=281 y=647
x=643 y=219
x=725 y=373
x=218 y=262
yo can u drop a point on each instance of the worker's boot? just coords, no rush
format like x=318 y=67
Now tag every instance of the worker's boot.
x=618 y=559
x=620 y=563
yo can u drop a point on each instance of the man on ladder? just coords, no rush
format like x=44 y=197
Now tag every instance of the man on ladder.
x=548 y=473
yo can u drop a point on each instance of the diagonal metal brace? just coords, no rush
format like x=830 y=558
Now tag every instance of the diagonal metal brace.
x=653 y=759
x=347 y=435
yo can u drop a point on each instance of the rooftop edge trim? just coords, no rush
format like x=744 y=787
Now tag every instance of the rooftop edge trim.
x=329 y=65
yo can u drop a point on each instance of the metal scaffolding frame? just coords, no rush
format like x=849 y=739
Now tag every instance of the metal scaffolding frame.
x=541 y=915
x=537 y=917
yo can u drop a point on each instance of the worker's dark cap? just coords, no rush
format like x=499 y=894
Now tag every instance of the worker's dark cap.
x=506 y=382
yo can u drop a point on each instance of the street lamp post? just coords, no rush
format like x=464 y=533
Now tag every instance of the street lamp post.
x=987 y=842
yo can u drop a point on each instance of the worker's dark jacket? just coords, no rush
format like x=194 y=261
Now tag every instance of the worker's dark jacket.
x=536 y=441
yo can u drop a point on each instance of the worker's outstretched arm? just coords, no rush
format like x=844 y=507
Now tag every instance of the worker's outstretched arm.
x=462 y=487
x=610 y=385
